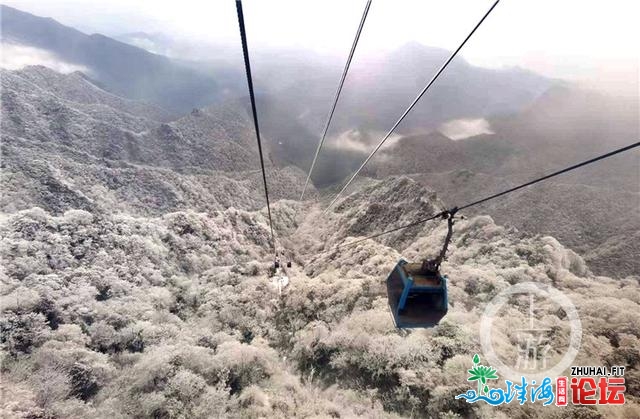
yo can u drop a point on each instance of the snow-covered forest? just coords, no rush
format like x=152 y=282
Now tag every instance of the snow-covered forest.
x=136 y=262
x=174 y=316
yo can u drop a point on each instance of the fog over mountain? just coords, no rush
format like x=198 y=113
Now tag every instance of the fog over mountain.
x=134 y=236
x=178 y=84
x=120 y=68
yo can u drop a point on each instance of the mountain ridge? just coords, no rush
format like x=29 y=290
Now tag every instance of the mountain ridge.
x=126 y=70
x=179 y=86
x=132 y=163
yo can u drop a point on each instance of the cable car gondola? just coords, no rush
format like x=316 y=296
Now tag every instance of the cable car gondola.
x=417 y=292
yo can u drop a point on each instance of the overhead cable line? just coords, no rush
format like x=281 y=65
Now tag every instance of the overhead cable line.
x=415 y=101
x=245 y=51
x=450 y=212
x=335 y=100
x=393 y=230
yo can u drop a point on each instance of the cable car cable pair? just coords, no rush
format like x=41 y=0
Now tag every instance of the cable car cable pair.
x=245 y=51
x=335 y=101
x=411 y=106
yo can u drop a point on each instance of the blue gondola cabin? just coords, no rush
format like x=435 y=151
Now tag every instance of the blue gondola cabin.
x=416 y=298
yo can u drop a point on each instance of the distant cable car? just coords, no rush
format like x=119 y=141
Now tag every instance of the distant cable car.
x=280 y=281
x=277 y=263
x=278 y=272
x=417 y=292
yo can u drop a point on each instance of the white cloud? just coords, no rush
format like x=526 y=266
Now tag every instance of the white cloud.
x=16 y=57
x=356 y=140
x=459 y=129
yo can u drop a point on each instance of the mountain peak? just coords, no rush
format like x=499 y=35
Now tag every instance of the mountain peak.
x=121 y=68
x=417 y=52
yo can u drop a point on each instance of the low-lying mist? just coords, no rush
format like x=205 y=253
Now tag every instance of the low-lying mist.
x=459 y=129
x=17 y=57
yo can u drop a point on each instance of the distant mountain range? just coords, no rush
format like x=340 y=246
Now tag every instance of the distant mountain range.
x=118 y=67
x=295 y=87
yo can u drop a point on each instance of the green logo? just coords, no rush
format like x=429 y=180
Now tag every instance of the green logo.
x=481 y=374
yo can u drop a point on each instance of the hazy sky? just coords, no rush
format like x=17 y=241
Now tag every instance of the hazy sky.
x=586 y=40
